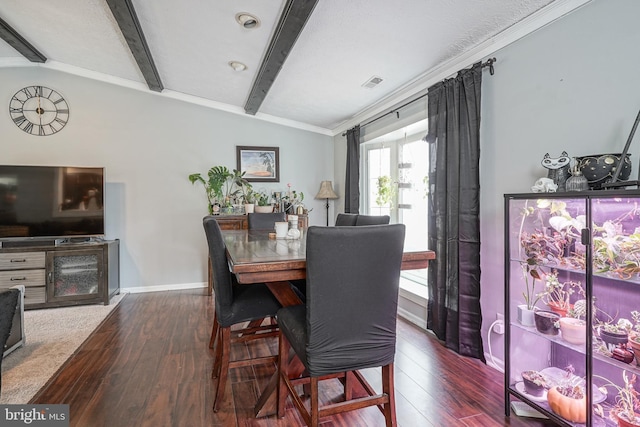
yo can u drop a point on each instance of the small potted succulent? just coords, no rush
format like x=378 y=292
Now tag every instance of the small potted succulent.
x=534 y=383
x=264 y=202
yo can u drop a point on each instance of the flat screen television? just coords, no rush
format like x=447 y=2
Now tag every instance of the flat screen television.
x=51 y=202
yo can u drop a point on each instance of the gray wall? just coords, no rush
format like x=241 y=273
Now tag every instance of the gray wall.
x=149 y=144
x=571 y=85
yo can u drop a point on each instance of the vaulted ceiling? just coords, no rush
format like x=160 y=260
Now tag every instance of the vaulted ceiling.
x=306 y=61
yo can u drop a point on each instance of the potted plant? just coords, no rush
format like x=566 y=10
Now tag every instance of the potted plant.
x=634 y=336
x=385 y=191
x=573 y=327
x=557 y=294
x=627 y=402
x=526 y=310
x=217 y=176
x=292 y=200
x=534 y=383
x=264 y=202
x=568 y=398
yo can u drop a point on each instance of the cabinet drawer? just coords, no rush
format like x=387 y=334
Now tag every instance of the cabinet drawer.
x=22 y=260
x=35 y=295
x=28 y=278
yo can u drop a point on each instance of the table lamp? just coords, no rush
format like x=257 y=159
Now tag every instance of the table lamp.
x=326 y=192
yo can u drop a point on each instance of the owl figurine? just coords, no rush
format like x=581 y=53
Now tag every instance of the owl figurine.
x=558 y=169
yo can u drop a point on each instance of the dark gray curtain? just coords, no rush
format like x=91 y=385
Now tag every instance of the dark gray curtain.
x=453 y=312
x=352 y=181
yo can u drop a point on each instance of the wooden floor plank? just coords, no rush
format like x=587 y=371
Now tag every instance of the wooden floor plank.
x=149 y=364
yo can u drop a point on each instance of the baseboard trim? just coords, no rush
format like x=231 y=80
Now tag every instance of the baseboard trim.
x=496 y=364
x=410 y=317
x=160 y=288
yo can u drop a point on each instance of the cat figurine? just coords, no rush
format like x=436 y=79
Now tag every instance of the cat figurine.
x=558 y=169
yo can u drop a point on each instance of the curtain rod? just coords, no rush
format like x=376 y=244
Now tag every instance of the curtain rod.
x=488 y=63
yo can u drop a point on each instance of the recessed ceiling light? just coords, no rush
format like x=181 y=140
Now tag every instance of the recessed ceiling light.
x=238 y=66
x=247 y=20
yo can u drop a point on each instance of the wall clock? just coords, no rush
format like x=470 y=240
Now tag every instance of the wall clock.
x=38 y=110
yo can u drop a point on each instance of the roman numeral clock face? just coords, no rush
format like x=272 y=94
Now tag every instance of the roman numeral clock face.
x=38 y=110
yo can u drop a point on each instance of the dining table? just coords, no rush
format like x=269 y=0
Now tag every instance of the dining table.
x=255 y=256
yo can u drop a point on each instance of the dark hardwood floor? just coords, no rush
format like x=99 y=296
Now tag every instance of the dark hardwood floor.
x=149 y=364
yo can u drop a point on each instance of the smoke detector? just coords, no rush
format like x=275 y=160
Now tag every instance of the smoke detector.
x=373 y=82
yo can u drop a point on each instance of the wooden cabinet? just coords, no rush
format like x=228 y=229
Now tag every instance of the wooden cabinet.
x=239 y=222
x=68 y=274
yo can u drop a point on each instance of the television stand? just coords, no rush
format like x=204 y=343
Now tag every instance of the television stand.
x=63 y=275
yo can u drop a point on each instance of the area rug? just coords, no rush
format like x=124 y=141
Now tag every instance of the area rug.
x=52 y=335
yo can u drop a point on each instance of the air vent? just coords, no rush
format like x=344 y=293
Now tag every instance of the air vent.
x=372 y=82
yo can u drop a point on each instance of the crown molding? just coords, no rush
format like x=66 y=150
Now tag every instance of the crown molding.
x=420 y=84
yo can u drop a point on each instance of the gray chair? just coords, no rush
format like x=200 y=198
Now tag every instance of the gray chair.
x=8 y=304
x=372 y=220
x=234 y=304
x=346 y=219
x=347 y=267
x=265 y=221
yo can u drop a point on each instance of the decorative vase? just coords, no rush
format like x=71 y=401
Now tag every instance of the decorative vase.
x=613 y=339
x=577 y=182
x=634 y=345
x=534 y=383
x=525 y=316
x=622 y=421
x=545 y=322
x=264 y=209
x=569 y=408
x=574 y=331
x=600 y=168
x=560 y=308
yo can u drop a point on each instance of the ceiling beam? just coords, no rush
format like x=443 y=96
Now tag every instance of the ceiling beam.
x=132 y=31
x=292 y=21
x=19 y=43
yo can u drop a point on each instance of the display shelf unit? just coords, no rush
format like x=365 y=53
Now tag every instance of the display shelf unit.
x=586 y=244
x=56 y=275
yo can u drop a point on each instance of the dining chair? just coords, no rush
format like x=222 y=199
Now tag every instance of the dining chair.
x=234 y=304
x=8 y=306
x=346 y=267
x=346 y=219
x=265 y=221
x=372 y=220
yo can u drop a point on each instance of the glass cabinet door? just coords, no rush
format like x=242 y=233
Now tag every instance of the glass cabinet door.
x=74 y=274
x=615 y=237
x=546 y=292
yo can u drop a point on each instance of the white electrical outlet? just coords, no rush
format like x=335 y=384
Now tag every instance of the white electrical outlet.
x=498 y=326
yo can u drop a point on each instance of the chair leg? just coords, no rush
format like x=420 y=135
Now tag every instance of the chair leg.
x=314 y=402
x=388 y=388
x=217 y=357
x=225 y=343
x=214 y=332
x=283 y=369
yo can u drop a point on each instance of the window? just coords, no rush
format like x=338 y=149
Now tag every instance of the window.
x=394 y=171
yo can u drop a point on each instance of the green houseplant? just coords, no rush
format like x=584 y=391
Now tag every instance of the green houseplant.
x=627 y=403
x=217 y=176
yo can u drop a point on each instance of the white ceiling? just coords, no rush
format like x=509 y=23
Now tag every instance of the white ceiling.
x=343 y=44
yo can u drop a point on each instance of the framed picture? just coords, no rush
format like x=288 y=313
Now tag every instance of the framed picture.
x=260 y=164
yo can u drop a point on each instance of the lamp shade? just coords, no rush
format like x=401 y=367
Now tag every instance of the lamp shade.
x=326 y=191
